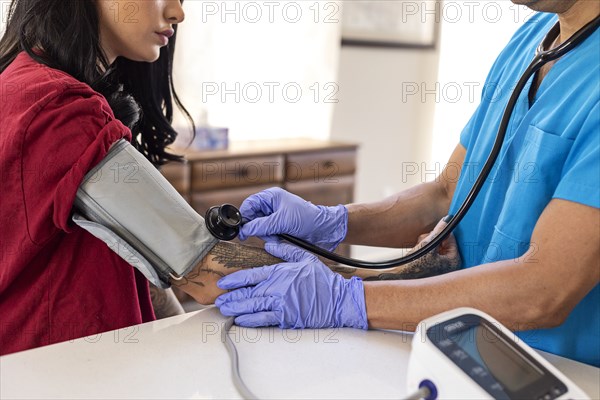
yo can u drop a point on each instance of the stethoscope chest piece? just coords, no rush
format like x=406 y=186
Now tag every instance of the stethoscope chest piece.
x=224 y=221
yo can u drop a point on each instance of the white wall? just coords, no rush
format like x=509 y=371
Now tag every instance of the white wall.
x=245 y=61
x=392 y=128
x=376 y=111
x=469 y=47
x=4 y=4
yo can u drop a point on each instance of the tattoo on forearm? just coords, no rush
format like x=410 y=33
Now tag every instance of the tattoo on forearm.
x=225 y=258
x=232 y=255
x=428 y=265
x=158 y=297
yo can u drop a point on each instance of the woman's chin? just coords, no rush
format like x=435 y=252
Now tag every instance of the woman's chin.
x=150 y=57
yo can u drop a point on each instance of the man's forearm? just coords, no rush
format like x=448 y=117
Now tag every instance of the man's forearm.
x=491 y=288
x=536 y=290
x=398 y=220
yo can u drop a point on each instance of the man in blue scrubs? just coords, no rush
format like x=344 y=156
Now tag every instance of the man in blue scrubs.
x=530 y=244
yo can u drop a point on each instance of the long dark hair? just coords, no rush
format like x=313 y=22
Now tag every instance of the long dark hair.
x=140 y=94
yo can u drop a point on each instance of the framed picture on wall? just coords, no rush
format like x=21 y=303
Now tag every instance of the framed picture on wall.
x=390 y=23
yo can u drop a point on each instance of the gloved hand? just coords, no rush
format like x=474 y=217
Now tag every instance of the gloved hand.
x=302 y=293
x=274 y=211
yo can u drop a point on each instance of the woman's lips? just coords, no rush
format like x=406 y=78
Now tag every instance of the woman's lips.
x=168 y=32
x=165 y=35
x=163 y=39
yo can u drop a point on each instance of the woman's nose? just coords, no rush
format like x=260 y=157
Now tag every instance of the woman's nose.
x=174 y=12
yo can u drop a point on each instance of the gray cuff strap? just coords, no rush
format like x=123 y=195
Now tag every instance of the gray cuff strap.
x=123 y=249
x=127 y=196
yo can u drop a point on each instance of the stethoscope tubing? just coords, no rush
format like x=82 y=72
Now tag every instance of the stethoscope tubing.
x=541 y=57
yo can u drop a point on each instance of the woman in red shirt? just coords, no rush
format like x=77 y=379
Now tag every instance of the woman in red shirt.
x=76 y=76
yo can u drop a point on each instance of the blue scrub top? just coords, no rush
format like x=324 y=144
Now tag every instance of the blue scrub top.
x=551 y=150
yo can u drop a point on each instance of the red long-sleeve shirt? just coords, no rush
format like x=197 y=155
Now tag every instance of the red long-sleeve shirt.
x=57 y=282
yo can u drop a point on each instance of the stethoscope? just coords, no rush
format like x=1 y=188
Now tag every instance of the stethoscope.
x=224 y=221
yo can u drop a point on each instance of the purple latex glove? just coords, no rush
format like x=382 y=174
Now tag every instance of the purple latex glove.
x=274 y=211
x=302 y=293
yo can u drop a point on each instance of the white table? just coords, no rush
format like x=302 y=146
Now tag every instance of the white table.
x=183 y=357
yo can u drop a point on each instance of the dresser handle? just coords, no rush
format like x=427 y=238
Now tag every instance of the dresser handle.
x=243 y=172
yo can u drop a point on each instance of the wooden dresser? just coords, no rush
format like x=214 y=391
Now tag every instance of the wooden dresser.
x=322 y=172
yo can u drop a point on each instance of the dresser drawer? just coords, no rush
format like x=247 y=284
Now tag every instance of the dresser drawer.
x=325 y=194
x=209 y=175
x=323 y=166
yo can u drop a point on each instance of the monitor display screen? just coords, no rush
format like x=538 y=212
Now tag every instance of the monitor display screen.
x=501 y=359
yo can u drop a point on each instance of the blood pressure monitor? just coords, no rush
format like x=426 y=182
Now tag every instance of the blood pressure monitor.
x=467 y=354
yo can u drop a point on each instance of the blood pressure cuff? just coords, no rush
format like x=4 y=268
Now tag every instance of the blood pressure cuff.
x=126 y=202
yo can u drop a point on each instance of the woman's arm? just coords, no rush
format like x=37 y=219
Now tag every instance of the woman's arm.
x=164 y=302
x=226 y=258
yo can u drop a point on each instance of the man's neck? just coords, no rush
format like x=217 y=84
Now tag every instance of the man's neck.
x=577 y=17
